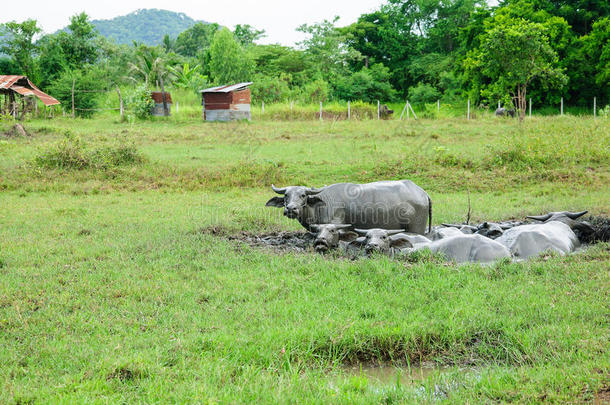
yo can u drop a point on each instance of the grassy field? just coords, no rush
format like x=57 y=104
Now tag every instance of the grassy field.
x=112 y=288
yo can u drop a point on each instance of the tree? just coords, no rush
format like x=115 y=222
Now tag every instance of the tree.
x=512 y=56
x=185 y=77
x=195 y=40
x=17 y=42
x=150 y=64
x=246 y=34
x=79 y=46
x=229 y=63
x=368 y=84
x=327 y=49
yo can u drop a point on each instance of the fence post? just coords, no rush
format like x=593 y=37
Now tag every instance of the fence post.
x=413 y=111
x=438 y=107
x=407 y=107
x=530 y=107
x=561 y=105
x=36 y=108
x=403 y=112
x=177 y=107
x=291 y=105
x=120 y=101
x=468 y=113
x=498 y=103
x=73 y=83
x=594 y=107
x=262 y=107
x=349 y=110
x=378 y=109
x=320 y=111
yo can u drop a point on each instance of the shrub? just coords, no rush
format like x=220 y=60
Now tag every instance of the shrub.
x=270 y=89
x=423 y=93
x=72 y=154
x=87 y=86
x=141 y=102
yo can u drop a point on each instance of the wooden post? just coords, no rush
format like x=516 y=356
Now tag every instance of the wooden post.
x=407 y=106
x=291 y=105
x=73 y=83
x=530 y=107
x=378 y=112
x=262 y=107
x=165 y=110
x=403 y=110
x=468 y=113
x=438 y=107
x=498 y=103
x=36 y=107
x=349 y=110
x=594 y=107
x=561 y=105
x=120 y=102
x=177 y=107
x=320 y=111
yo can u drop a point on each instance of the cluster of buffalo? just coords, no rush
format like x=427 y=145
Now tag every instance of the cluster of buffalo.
x=391 y=216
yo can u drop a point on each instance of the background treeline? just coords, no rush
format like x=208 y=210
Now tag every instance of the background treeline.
x=423 y=50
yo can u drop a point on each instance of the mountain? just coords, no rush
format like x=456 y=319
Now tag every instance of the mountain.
x=145 y=25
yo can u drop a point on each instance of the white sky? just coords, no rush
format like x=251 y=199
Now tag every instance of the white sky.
x=279 y=18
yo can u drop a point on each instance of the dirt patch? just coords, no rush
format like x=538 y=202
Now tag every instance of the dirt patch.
x=16 y=131
x=282 y=241
x=124 y=374
x=602 y=396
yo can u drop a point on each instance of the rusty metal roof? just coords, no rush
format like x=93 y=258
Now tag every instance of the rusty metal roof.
x=23 y=86
x=227 y=89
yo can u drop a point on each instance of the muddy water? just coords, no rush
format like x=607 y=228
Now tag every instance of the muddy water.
x=386 y=375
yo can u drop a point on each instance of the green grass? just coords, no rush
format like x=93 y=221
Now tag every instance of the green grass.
x=112 y=291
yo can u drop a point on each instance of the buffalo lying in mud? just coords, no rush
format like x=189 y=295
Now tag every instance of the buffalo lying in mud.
x=502 y=112
x=384 y=204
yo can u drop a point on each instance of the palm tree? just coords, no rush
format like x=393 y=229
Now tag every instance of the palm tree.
x=150 y=65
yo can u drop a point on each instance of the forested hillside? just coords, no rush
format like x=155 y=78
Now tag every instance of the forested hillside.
x=147 y=26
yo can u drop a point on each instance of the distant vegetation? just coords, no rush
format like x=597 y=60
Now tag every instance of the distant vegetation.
x=449 y=50
x=147 y=26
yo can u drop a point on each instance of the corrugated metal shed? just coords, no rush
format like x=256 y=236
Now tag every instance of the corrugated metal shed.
x=226 y=103
x=157 y=109
x=22 y=85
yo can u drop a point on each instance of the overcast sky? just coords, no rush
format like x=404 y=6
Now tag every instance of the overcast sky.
x=279 y=18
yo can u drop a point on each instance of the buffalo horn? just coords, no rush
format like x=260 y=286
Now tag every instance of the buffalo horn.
x=574 y=215
x=539 y=217
x=279 y=190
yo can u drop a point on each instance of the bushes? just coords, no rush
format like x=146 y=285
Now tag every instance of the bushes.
x=141 y=102
x=72 y=154
x=86 y=84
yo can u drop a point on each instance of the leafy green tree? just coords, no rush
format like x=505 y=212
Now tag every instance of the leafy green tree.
x=17 y=42
x=246 y=35
x=270 y=89
x=423 y=93
x=86 y=81
x=327 y=49
x=276 y=60
x=229 y=63
x=512 y=56
x=195 y=40
x=368 y=84
x=79 y=46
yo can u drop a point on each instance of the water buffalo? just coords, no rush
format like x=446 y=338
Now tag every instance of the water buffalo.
x=380 y=240
x=501 y=112
x=330 y=235
x=530 y=240
x=467 y=248
x=384 y=204
x=442 y=233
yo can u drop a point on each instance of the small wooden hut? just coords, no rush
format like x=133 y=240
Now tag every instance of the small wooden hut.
x=13 y=87
x=158 y=109
x=227 y=103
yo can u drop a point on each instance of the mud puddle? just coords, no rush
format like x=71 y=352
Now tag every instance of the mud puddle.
x=391 y=375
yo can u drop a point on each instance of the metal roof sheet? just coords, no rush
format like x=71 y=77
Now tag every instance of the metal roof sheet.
x=26 y=88
x=227 y=89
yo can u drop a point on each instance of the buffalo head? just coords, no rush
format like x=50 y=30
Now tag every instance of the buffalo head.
x=380 y=240
x=329 y=235
x=294 y=200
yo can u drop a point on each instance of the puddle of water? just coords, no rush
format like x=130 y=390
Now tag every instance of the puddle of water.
x=386 y=375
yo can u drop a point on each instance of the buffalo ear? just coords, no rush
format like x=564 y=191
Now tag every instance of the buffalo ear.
x=314 y=199
x=275 y=202
x=400 y=242
x=348 y=236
